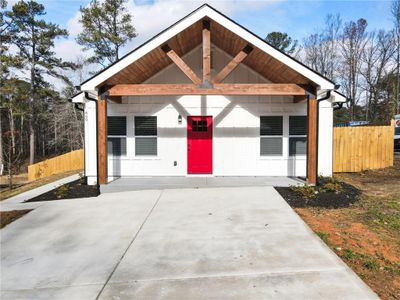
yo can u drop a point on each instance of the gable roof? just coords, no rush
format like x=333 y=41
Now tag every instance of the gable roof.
x=148 y=59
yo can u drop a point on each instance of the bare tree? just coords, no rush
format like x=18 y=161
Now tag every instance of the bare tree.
x=396 y=20
x=321 y=49
x=12 y=158
x=352 y=45
x=376 y=57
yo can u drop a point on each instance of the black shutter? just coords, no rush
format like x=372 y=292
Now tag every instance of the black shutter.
x=271 y=125
x=297 y=125
x=145 y=126
x=116 y=126
x=270 y=146
x=145 y=146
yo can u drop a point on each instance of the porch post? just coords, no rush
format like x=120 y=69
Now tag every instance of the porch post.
x=312 y=140
x=102 y=139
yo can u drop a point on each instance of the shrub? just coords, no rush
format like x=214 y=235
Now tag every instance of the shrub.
x=332 y=186
x=308 y=192
x=61 y=192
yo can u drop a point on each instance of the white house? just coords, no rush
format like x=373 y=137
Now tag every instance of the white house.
x=206 y=96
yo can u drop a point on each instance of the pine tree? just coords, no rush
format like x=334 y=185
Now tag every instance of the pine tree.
x=282 y=41
x=106 y=28
x=35 y=38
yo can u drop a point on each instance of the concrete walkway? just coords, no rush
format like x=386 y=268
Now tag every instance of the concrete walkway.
x=211 y=243
x=39 y=190
x=170 y=182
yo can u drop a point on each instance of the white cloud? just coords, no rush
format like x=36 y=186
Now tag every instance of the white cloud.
x=151 y=17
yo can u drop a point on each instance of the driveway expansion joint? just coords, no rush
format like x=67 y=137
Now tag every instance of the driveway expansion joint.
x=129 y=245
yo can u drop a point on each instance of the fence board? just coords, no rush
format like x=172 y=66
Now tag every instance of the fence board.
x=71 y=161
x=361 y=148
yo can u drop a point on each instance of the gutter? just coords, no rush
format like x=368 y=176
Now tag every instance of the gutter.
x=97 y=140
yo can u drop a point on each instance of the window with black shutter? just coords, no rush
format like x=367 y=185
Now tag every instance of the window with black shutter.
x=297 y=135
x=146 y=136
x=271 y=134
x=116 y=136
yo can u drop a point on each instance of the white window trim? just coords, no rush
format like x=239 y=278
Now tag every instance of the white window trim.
x=295 y=136
x=271 y=156
x=145 y=157
x=112 y=156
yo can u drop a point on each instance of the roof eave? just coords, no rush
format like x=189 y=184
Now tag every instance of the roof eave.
x=205 y=11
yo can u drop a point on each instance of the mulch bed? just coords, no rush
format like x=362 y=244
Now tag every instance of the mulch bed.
x=72 y=190
x=347 y=195
x=6 y=217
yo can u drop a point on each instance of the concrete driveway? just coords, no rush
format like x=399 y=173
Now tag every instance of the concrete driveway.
x=211 y=243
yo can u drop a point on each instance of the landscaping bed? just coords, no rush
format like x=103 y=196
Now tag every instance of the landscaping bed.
x=21 y=183
x=330 y=193
x=72 y=190
x=361 y=224
x=6 y=217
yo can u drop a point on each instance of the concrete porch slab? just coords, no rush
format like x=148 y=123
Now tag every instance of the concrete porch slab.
x=158 y=183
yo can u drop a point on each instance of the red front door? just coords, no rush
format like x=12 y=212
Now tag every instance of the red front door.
x=199 y=145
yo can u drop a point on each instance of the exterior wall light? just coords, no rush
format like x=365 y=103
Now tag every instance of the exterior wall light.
x=179 y=119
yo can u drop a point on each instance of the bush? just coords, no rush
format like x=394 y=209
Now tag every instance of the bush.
x=332 y=186
x=61 y=192
x=307 y=191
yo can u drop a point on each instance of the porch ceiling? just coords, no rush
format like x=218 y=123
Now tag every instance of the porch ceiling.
x=182 y=43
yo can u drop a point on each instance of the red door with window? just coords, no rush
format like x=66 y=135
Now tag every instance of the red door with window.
x=199 y=145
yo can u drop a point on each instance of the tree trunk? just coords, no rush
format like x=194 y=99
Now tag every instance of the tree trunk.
x=12 y=129
x=398 y=76
x=9 y=169
x=21 y=138
x=31 y=143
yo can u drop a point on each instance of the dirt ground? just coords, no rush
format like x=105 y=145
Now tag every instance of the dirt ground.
x=6 y=217
x=21 y=181
x=366 y=234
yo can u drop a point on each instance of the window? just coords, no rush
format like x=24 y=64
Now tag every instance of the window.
x=271 y=135
x=297 y=135
x=146 y=136
x=116 y=136
x=199 y=126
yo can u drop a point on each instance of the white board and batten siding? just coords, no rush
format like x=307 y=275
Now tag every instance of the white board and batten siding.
x=236 y=128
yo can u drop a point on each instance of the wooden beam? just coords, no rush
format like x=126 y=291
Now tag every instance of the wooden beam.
x=297 y=99
x=233 y=64
x=206 y=51
x=272 y=89
x=102 y=139
x=181 y=64
x=312 y=141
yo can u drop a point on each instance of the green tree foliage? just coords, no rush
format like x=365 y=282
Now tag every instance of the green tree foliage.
x=106 y=28
x=282 y=41
x=35 y=38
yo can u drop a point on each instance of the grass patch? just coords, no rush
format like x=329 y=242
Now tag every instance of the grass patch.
x=323 y=236
x=385 y=214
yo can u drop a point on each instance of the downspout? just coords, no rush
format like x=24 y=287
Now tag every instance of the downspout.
x=76 y=106
x=97 y=140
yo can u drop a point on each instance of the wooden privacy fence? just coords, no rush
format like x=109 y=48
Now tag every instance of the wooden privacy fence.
x=70 y=161
x=361 y=148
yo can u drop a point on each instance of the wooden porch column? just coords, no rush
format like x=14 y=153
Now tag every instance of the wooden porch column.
x=312 y=140
x=206 y=51
x=102 y=139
